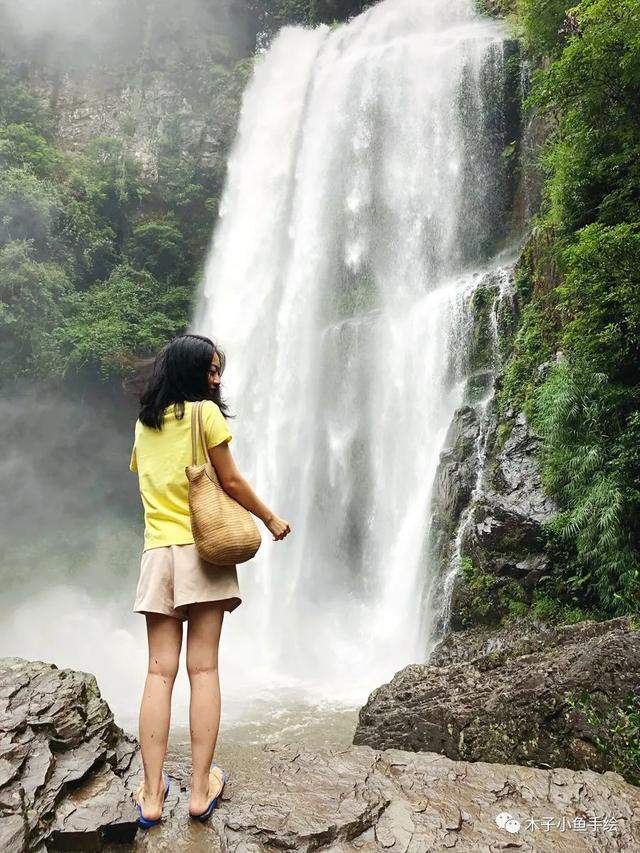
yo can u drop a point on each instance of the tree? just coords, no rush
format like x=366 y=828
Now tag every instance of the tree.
x=32 y=295
x=129 y=314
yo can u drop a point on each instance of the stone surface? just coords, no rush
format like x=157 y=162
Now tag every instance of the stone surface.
x=149 y=73
x=519 y=638
x=512 y=706
x=66 y=769
x=505 y=528
x=503 y=534
x=488 y=505
x=67 y=774
x=361 y=799
x=455 y=478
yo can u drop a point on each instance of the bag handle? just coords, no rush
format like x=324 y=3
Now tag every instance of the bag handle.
x=197 y=426
x=194 y=434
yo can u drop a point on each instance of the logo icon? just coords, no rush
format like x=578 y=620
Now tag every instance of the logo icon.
x=508 y=822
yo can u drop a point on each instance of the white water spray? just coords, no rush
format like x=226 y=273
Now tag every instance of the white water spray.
x=363 y=188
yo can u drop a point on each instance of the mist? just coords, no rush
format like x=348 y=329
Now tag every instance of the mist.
x=69 y=506
x=73 y=35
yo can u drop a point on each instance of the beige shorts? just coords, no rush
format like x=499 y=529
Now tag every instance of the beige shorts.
x=174 y=576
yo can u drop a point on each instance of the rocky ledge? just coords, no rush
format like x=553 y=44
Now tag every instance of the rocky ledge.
x=66 y=769
x=362 y=799
x=545 y=697
x=68 y=773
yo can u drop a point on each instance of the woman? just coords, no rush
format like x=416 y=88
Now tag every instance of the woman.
x=175 y=584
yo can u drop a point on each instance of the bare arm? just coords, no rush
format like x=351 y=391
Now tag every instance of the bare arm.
x=235 y=485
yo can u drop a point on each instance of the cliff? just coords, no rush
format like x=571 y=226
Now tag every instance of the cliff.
x=147 y=71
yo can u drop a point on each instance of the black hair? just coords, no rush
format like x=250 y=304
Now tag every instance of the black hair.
x=177 y=373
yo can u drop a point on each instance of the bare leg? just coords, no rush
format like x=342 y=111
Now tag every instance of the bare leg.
x=203 y=637
x=164 y=635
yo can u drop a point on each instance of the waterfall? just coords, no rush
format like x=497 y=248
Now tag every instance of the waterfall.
x=365 y=191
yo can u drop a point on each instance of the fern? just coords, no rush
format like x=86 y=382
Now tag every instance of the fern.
x=573 y=414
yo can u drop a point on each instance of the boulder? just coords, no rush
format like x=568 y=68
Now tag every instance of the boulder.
x=560 y=700
x=66 y=769
x=517 y=639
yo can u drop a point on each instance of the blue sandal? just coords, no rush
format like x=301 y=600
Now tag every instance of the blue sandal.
x=206 y=814
x=145 y=822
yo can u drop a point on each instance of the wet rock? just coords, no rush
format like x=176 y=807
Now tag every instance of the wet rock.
x=515 y=704
x=66 y=769
x=515 y=482
x=503 y=537
x=358 y=798
x=519 y=638
x=455 y=479
x=68 y=774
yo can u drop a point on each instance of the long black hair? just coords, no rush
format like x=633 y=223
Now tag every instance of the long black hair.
x=177 y=373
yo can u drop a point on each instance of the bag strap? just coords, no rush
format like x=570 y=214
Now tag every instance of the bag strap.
x=197 y=426
x=194 y=434
x=203 y=435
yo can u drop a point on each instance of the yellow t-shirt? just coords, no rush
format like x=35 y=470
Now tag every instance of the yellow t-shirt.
x=160 y=457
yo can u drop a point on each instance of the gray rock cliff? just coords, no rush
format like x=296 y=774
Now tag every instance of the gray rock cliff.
x=521 y=702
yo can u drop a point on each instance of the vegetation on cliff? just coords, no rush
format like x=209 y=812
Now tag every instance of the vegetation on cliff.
x=272 y=14
x=98 y=260
x=579 y=284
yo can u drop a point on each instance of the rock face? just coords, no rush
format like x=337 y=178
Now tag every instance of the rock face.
x=455 y=478
x=362 y=799
x=502 y=537
x=66 y=769
x=515 y=704
x=488 y=505
x=149 y=73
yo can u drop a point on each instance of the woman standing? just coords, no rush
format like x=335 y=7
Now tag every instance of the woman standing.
x=175 y=584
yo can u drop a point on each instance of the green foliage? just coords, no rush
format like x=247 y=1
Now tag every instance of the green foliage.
x=592 y=89
x=599 y=299
x=533 y=345
x=480 y=345
x=615 y=731
x=30 y=288
x=112 y=183
x=128 y=314
x=85 y=229
x=541 y=21
x=552 y=612
x=18 y=106
x=488 y=599
x=578 y=285
x=22 y=147
x=30 y=209
x=590 y=462
x=273 y=14
x=554 y=601
x=158 y=246
x=496 y=8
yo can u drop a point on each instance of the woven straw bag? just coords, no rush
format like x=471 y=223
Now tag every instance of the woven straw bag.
x=224 y=532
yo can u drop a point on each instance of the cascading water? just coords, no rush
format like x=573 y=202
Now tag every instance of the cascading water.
x=364 y=191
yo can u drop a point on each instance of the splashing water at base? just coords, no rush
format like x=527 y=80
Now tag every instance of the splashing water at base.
x=364 y=186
